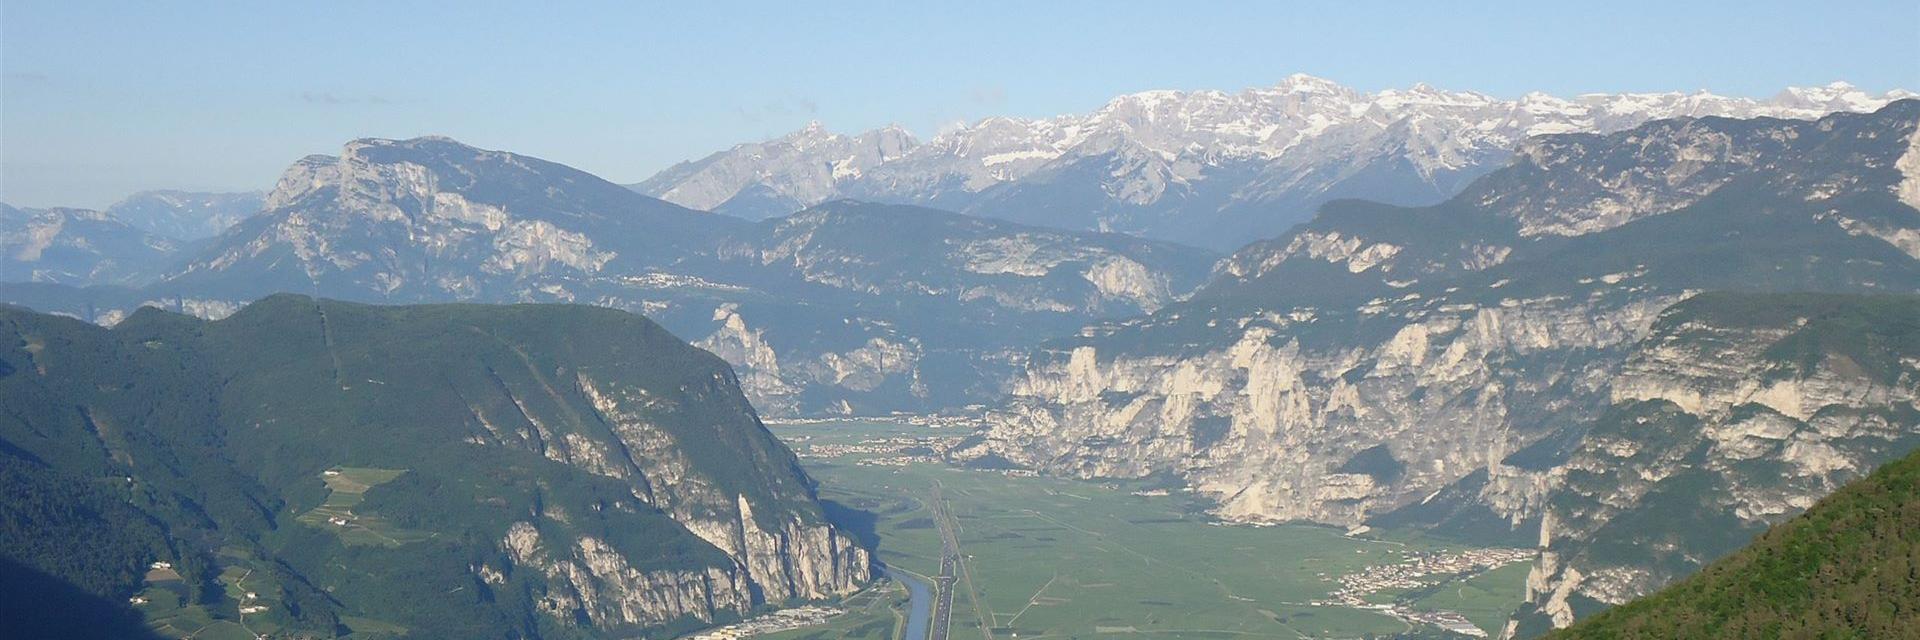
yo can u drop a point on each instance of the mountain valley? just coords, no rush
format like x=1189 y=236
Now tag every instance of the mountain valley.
x=1550 y=354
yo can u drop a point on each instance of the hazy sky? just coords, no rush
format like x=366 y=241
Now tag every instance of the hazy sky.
x=102 y=99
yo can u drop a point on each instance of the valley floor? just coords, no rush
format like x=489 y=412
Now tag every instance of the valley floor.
x=1055 y=558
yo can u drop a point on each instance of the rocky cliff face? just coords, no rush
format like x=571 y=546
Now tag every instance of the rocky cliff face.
x=591 y=581
x=749 y=500
x=430 y=218
x=1268 y=424
x=787 y=554
x=781 y=554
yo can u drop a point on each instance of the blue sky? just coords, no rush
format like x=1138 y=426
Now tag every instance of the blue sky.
x=102 y=99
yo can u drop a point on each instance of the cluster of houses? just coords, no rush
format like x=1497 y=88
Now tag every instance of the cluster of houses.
x=973 y=417
x=156 y=566
x=774 y=622
x=891 y=451
x=1421 y=569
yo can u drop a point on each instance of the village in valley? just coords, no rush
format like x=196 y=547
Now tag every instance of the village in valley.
x=1422 y=569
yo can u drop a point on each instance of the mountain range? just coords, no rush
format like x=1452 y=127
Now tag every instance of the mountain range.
x=843 y=308
x=133 y=242
x=1207 y=168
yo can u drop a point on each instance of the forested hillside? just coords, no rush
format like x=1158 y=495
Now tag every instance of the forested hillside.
x=320 y=468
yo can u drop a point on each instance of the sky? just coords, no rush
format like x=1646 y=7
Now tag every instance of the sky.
x=99 y=100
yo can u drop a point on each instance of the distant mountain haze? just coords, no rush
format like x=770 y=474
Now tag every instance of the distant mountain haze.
x=78 y=247
x=186 y=216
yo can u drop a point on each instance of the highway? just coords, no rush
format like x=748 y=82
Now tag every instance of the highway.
x=949 y=569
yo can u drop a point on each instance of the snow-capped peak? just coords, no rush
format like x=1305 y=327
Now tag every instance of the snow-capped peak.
x=1300 y=122
x=1303 y=83
x=1836 y=96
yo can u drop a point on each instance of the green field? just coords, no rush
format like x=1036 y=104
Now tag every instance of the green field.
x=244 y=584
x=249 y=602
x=1055 y=558
x=348 y=487
x=1487 y=599
x=170 y=614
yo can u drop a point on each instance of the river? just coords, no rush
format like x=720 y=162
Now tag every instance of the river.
x=920 y=609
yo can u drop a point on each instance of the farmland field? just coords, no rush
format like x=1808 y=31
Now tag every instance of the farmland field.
x=348 y=487
x=250 y=602
x=1057 y=558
